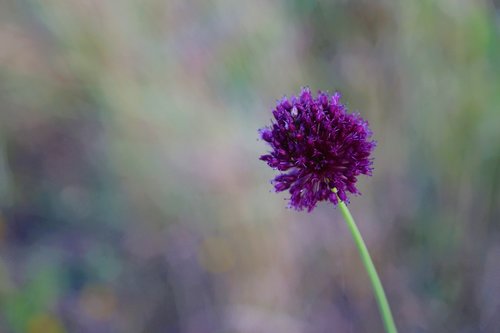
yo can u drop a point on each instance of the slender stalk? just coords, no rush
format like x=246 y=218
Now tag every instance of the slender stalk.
x=383 y=304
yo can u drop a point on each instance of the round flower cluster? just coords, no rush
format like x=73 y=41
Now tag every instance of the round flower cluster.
x=318 y=147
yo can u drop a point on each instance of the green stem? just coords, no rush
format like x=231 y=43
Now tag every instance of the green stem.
x=383 y=305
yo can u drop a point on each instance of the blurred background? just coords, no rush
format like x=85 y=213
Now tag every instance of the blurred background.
x=131 y=194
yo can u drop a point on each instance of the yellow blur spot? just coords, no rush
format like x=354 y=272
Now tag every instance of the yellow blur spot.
x=216 y=255
x=98 y=303
x=44 y=323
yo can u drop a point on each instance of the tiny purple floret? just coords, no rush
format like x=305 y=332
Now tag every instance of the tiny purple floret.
x=317 y=146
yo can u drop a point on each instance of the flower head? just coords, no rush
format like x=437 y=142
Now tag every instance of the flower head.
x=317 y=146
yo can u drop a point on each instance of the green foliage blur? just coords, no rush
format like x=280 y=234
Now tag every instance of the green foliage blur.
x=131 y=194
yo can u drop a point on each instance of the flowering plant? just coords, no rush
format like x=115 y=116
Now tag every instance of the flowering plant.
x=320 y=149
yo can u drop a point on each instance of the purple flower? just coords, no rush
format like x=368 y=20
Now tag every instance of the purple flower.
x=317 y=146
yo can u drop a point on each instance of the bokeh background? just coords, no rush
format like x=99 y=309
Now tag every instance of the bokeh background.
x=132 y=198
